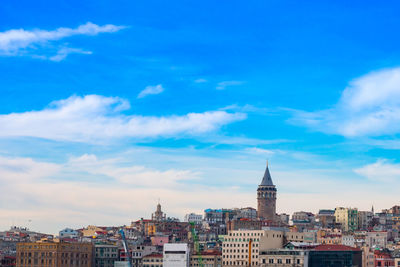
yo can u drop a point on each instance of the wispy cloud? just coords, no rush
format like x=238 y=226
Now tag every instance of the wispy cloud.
x=251 y=109
x=151 y=90
x=40 y=187
x=200 y=80
x=64 y=52
x=38 y=190
x=17 y=42
x=381 y=171
x=369 y=106
x=223 y=85
x=92 y=118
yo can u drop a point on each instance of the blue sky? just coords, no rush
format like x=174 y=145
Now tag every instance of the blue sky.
x=107 y=106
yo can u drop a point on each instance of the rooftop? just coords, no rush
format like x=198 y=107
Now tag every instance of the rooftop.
x=335 y=248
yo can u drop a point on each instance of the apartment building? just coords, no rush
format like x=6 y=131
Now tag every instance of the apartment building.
x=53 y=254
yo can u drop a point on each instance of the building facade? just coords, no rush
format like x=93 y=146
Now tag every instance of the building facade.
x=153 y=260
x=52 y=254
x=364 y=219
x=194 y=218
x=282 y=258
x=176 y=255
x=207 y=259
x=348 y=218
x=105 y=255
x=334 y=256
x=68 y=233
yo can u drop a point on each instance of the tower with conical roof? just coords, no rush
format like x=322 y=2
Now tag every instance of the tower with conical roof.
x=266 y=198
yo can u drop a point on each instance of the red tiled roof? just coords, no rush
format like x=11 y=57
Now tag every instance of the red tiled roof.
x=335 y=248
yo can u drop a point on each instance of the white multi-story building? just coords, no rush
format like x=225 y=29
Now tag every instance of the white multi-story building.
x=348 y=240
x=68 y=233
x=194 y=218
x=176 y=255
x=377 y=239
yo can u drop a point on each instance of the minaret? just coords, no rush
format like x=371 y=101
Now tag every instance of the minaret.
x=266 y=198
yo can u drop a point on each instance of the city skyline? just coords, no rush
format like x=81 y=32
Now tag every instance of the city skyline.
x=105 y=108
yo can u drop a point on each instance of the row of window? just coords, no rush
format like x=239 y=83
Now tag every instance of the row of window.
x=238 y=245
x=238 y=251
x=239 y=256
x=280 y=261
x=246 y=234
x=242 y=263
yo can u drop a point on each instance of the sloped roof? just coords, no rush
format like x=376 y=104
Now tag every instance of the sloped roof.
x=267 y=180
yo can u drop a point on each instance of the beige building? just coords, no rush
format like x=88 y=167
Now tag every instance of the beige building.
x=153 y=260
x=91 y=231
x=52 y=254
x=368 y=257
x=329 y=236
x=347 y=217
x=282 y=258
x=208 y=259
x=397 y=262
x=236 y=246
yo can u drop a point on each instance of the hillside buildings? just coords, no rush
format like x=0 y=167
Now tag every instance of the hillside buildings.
x=222 y=237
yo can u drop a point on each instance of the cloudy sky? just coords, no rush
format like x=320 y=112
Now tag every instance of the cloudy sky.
x=108 y=106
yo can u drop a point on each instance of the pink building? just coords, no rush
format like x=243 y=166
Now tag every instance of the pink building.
x=159 y=240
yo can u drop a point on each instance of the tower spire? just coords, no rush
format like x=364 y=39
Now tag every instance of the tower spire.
x=267 y=180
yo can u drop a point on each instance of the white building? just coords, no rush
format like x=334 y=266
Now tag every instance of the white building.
x=377 y=239
x=68 y=233
x=348 y=240
x=176 y=255
x=195 y=218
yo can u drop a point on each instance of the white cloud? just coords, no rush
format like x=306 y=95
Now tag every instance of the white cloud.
x=93 y=118
x=151 y=90
x=223 y=85
x=200 y=80
x=25 y=169
x=44 y=193
x=369 y=106
x=51 y=202
x=130 y=175
x=18 y=41
x=381 y=171
x=64 y=52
